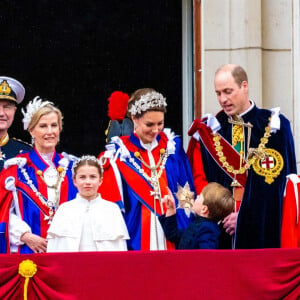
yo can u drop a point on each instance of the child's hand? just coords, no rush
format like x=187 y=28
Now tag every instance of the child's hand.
x=169 y=202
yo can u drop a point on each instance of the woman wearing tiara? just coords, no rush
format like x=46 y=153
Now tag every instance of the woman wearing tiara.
x=140 y=168
x=88 y=223
x=33 y=185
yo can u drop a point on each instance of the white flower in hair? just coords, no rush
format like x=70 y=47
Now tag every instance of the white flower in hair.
x=148 y=101
x=31 y=108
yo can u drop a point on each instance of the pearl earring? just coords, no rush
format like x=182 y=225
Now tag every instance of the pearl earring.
x=32 y=140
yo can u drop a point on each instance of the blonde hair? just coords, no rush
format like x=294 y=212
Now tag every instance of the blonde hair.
x=45 y=110
x=219 y=201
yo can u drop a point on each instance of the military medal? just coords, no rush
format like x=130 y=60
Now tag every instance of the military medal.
x=185 y=196
x=270 y=166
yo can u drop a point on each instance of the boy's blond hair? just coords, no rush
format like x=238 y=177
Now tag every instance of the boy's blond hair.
x=219 y=201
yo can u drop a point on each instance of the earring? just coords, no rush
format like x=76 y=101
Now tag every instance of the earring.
x=32 y=140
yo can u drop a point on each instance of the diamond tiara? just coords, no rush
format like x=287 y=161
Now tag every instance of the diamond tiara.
x=148 y=101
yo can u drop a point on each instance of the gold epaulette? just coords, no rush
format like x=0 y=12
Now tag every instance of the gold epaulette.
x=22 y=142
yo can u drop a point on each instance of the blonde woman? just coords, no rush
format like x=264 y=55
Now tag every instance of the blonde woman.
x=33 y=185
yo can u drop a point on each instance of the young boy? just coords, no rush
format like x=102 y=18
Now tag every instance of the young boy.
x=213 y=204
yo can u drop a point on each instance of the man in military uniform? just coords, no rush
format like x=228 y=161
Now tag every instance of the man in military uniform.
x=11 y=93
x=249 y=150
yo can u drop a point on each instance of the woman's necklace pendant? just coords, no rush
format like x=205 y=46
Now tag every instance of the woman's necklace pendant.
x=51 y=177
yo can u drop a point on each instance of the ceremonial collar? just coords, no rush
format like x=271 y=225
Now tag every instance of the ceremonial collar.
x=250 y=114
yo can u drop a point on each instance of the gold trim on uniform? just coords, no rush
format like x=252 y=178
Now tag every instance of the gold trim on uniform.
x=274 y=170
x=4 y=140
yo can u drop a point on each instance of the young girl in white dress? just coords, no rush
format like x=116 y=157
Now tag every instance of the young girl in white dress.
x=87 y=223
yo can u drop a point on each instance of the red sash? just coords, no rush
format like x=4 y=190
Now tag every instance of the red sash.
x=232 y=157
x=138 y=184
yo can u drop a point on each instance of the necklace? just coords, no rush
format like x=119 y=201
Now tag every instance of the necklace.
x=161 y=165
x=53 y=176
x=51 y=204
x=252 y=155
x=154 y=180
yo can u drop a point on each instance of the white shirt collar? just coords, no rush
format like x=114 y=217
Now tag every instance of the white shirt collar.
x=150 y=146
x=246 y=111
x=85 y=201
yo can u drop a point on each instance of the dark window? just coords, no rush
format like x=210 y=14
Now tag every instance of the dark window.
x=75 y=53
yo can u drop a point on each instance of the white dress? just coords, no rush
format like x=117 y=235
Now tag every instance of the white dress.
x=82 y=225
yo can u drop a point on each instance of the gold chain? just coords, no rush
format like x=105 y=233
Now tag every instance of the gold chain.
x=237 y=134
x=60 y=175
x=161 y=164
x=249 y=161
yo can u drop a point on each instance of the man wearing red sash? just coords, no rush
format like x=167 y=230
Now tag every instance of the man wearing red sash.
x=249 y=150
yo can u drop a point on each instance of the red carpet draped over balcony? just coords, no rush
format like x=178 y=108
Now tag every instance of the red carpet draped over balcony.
x=198 y=274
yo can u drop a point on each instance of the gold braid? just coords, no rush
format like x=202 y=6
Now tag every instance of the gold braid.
x=251 y=157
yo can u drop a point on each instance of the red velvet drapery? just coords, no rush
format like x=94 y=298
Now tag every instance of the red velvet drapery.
x=198 y=274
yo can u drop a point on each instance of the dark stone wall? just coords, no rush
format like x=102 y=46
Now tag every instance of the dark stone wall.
x=75 y=53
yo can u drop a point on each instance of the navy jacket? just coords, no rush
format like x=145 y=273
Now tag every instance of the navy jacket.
x=202 y=233
x=259 y=218
x=12 y=149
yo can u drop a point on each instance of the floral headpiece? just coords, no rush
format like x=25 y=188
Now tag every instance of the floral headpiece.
x=32 y=107
x=149 y=100
x=86 y=158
